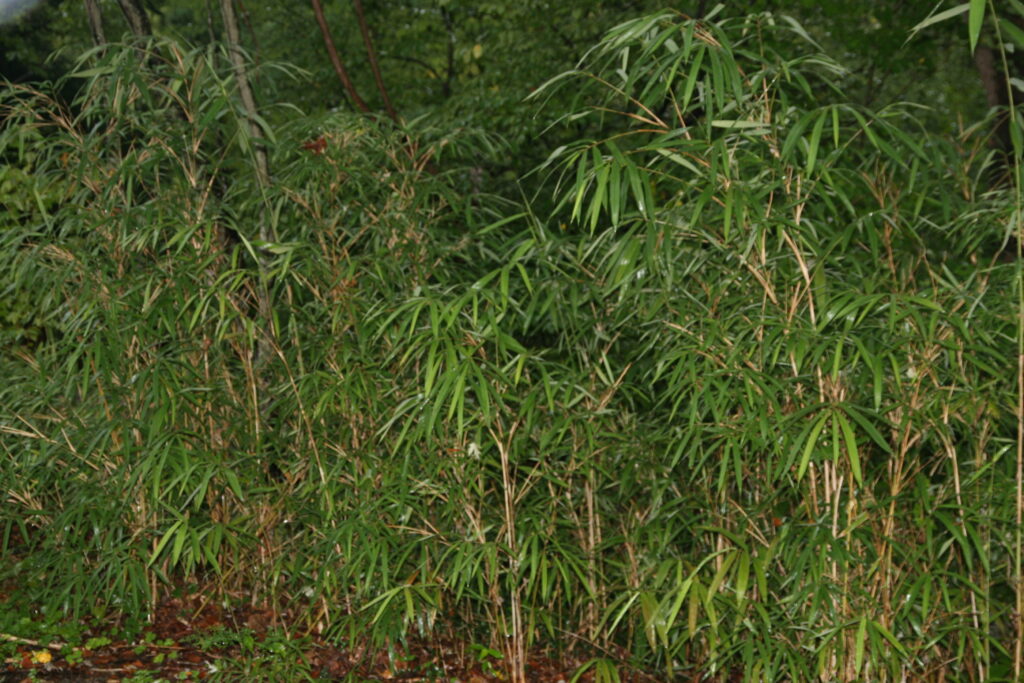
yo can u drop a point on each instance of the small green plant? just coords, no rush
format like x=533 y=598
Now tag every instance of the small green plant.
x=221 y=637
x=275 y=655
x=96 y=642
x=604 y=671
x=488 y=659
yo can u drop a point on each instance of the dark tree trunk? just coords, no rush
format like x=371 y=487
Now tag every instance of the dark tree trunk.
x=138 y=20
x=245 y=89
x=95 y=19
x=332 y=52
x=993 y=82
x=372 y=55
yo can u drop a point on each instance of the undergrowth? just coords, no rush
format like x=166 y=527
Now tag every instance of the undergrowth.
x=739 y=402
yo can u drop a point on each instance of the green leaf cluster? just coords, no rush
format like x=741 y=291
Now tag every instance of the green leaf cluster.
x=739 y=402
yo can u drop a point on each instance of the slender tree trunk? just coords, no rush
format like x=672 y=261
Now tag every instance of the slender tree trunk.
x=95 y=19
x=138 y=20
x=332 y=52
x=991 y=81
x=247 y=18
x=245 y=90
x=265 y=342
x=994 y=84
x=372 y=55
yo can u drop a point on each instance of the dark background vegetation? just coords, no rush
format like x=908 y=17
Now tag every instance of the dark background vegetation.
x=680 y=341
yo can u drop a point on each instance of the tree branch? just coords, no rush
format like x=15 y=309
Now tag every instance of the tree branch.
x=264 y=345
x=138 y=20
x=332 y=52
x=372 y=55
x=95 y=19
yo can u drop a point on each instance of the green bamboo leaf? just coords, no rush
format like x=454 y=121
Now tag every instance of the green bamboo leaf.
x=636 y=185
x=266 y=129
x=680 y=597
x=720 y=575
x=717 y=90
x=815 y=143
x=795 y=134
x=432 y=365
x=736 y=539
x=584 y=668
x=483 y=395
x=851 y=445
x=648 y=612
x=966 y=547
x=866 y=425
x=754 y=127
x=742 y=577
x=581 y=185
x=910 y=143
x=678 y=158
x=615 y=182
x=457 y=398
x=209 y=550
x=797 y=28
x=809 y=445
x=233 y=483
x=981 y=546
x=92 y=72
x=858 y=656
x=384 y=600
x=874 y=364
x=837 y=357
x=975 y=17
x=180 y=537
x=691 y=79
x=164 y=540
x=887 y=634
x=761 y=577
x=598 y=201
x=941 y=16
x=727 y=214
x=693 y=610
x=865 y=126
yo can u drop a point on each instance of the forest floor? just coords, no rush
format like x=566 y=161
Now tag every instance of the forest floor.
x=188 y=639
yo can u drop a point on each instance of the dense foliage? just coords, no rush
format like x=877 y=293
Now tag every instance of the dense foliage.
x=729 y=392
